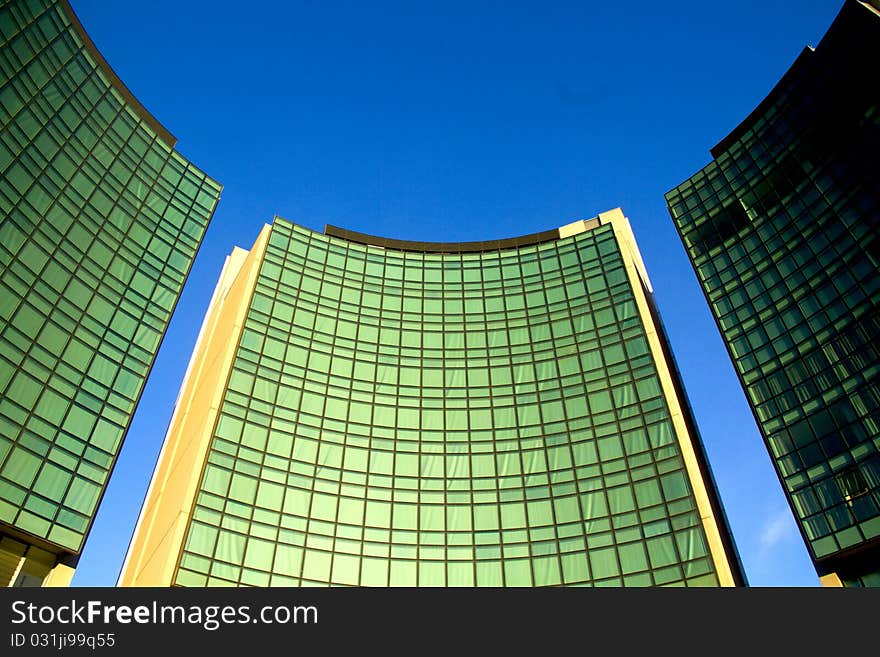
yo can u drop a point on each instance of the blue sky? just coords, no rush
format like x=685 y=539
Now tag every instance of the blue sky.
x=454 y=121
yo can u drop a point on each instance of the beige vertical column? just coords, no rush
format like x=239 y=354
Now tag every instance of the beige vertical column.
x=637 y=274
x=831 y=580
x=11 y=559
x=17 y=557
x=59 y=576
x=155 y=547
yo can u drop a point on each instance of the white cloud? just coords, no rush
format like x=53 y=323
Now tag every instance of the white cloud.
x=778 y=527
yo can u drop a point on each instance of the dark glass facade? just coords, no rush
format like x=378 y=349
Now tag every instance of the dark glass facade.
x=101 y=220
x=397 y=417
x=783 y=230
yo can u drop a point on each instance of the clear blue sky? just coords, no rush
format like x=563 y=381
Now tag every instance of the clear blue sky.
x=453 y=121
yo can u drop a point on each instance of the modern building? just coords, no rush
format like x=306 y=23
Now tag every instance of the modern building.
x=100 y=219
x=369 y=411
x=783 y=231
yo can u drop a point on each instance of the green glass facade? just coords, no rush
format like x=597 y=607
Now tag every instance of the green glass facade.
x=411 y=418
x=782 y=230
x=101 y=220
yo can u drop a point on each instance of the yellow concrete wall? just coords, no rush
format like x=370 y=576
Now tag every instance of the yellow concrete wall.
x=637 y=274
x=11 y=558
x=831 y=580
x=18 y=557
x=156 y=546
x=59 y=576
x=161 y=528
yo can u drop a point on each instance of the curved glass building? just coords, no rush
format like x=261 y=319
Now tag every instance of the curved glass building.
x=368 y=411
x=782 y=230
x=100 y=219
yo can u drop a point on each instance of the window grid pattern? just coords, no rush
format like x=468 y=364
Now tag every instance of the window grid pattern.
x=782 y=230
x=400 y=418
x=101 y=222
x=869 y=579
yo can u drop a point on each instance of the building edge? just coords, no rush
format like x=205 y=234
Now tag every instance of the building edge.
x=115 y=80
x=57 y=561
x=712 y=515
x=852 y=13
x=171 y=474
x=171 y=495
